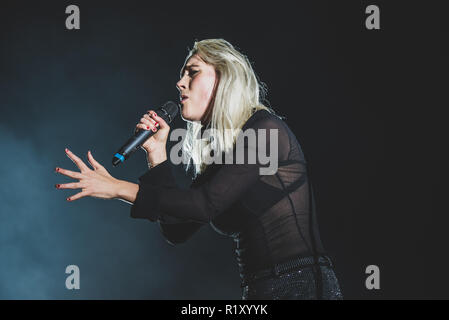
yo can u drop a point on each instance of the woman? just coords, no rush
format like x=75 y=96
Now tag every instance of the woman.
x=271 y=217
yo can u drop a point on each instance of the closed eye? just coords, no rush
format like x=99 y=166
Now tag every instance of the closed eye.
x=191 y=72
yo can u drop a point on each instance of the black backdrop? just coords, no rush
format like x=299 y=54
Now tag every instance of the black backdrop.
x=366 y=105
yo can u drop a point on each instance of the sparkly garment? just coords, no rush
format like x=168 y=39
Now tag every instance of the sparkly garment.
x=301 y=283
x=271 y=218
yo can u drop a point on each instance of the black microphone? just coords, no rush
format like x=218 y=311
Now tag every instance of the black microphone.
x=167 y=112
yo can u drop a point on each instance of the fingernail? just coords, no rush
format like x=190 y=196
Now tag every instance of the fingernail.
x=155 y=114
x=68 y=199
x=148 y=127
x=154 y=129
x=156 y=123
x=57 y=185
x=66 y=150
x=57 y=169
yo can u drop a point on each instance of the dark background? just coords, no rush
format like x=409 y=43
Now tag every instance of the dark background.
x=366 y=105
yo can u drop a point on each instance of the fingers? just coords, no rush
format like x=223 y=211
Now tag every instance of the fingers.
x=147 y=123
x=93 y=162
x=143 y=126
x=77 y=196
x=82 y=184
x=146 y=120
x=68 y=173
x=79 y=163
x=152 y=120
x=73 y=185
x=158 y=119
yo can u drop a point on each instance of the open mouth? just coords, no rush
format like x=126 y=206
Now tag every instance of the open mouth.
x=184 y=98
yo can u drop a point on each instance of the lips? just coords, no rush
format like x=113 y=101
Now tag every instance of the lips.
x=184 y=98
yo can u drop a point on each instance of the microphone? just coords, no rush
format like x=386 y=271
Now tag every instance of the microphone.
x=167 y=112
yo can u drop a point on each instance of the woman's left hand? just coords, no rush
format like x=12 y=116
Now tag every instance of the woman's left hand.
x=97 y=183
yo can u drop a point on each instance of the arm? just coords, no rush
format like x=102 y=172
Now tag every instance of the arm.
x=174 y=230
x=127 y=191
x=165 y=202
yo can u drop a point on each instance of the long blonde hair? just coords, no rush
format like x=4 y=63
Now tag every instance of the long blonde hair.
x=237 y=96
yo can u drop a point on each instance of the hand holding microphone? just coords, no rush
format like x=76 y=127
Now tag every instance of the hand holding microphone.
x=151 y=135
x=151 y=121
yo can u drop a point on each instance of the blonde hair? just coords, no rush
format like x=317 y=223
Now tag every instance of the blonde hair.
x=237 y=96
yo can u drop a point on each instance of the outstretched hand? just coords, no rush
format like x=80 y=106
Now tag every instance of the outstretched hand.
x=97 y=183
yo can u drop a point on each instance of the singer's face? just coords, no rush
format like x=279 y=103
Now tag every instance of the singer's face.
x=196 y=88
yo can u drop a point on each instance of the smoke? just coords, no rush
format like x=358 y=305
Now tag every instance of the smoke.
x=84 y=91
x=118 y=257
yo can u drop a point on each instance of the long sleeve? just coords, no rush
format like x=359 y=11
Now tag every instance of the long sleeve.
x=164 y=203
x=174 y=230
x=159 y=198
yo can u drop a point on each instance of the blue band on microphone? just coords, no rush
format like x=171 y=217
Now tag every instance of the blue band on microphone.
x=118 y=155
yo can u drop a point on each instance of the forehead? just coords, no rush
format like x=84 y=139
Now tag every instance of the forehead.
x=194 y=60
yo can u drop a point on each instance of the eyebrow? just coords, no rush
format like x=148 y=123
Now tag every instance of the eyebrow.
x=188 y=67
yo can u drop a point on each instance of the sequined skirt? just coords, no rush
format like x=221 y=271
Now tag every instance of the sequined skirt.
x=303 y=280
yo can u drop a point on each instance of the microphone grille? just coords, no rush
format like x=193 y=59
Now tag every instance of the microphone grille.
x=171 y=109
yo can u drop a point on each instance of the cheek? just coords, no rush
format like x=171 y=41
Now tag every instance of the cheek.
x=206 y=86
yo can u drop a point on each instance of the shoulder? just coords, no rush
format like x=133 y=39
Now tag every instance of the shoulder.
x=272 y=129
x=263 y=119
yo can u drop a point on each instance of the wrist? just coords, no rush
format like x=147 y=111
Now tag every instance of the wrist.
x=126 y=191
x=155 y=159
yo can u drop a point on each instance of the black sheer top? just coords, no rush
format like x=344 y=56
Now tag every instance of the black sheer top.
x=269 y=217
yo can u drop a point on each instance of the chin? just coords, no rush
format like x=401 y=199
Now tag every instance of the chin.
x=188 y=116
x=184 y=114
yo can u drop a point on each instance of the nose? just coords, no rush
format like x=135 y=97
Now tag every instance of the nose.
x=181 y=84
